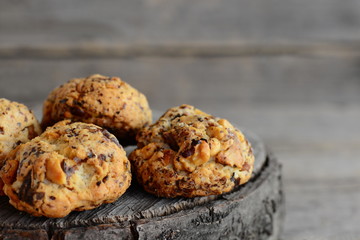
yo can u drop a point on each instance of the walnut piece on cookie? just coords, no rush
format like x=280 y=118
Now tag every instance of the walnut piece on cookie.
x=17 y=125
x=107 y=102
x=189 y=153
x=70 y=167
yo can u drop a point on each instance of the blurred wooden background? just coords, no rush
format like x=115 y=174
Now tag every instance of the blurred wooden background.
x=287 y=70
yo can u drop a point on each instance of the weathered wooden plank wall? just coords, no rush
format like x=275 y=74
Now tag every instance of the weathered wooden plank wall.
x=288 y=70
x=156 y=22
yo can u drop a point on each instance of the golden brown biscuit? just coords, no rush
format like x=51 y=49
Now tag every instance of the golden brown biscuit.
x=108 y=102
x=71 y=166
x=17 y=125
x=190 y=153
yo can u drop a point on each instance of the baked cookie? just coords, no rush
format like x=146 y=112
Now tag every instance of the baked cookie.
x=17 y=125
x=190 y=153
x=108 y=102
x=70 y=167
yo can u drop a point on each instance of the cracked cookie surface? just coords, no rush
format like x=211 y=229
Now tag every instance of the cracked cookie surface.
x=17 y=125
x=190 y=153
x=108 y=102
x=71 y=166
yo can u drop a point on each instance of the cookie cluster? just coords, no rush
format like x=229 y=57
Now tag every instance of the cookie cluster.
x=79 y=163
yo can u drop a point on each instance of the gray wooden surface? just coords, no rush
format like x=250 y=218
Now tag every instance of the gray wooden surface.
x=287 y=70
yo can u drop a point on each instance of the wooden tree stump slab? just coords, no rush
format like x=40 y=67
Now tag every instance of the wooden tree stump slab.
x=253 y=211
